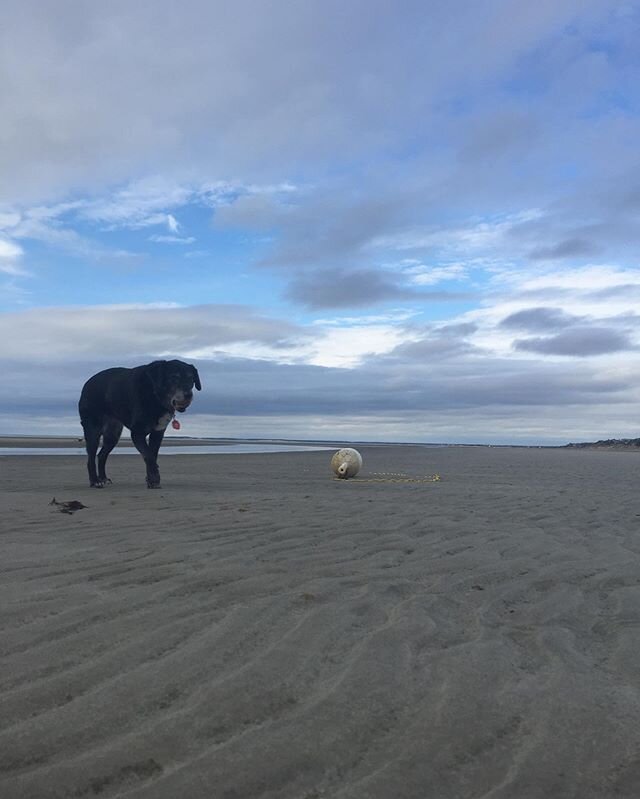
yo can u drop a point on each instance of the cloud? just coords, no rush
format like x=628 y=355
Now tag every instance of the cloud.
x=10 y=255
x=569 y=248
x=424 y=275
x=466 y=243
x=388 y=376
x=539 y=319
x=333 y=222
x=138 y=204
x=260 y=88
x=550 y=313
x=131 y=333
x=46 y=224
x=9 y=250
x=583 y=282
x=436 y=341
x=399 y=396
x=127 y=333
x=335 y=288
x=8 y=220
x=349 y=157
x=578 y=342
x=172 y=239
x=345 y=289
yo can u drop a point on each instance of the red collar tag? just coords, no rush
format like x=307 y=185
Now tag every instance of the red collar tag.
x=175 y=424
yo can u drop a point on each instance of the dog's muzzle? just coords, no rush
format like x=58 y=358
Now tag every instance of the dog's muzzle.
x=181 y=406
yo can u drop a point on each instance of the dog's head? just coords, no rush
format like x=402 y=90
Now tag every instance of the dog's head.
x=173 y=383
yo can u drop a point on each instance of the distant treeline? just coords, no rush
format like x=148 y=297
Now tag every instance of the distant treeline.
x=609 y=443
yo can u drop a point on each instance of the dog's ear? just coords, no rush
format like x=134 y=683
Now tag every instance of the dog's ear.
x=155 y=372
x=196 y=378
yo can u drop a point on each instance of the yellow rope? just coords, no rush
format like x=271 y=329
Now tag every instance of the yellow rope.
x=392 y=477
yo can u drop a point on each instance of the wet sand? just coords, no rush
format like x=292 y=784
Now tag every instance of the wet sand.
x=257 y=629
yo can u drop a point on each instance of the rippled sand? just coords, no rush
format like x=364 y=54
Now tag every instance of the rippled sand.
x=257 y=629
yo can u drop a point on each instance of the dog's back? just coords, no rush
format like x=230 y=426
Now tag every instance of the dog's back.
x=101 y=394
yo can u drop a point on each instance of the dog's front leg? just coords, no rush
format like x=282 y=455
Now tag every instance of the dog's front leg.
x=155 y=439
x=150 y=453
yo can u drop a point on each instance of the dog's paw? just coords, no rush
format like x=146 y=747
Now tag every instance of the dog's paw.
x=153 y=485
x=97 y=484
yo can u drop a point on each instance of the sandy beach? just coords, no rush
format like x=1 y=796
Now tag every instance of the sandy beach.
x=258 y=629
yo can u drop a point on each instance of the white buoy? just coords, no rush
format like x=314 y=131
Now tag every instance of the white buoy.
x=346 y=463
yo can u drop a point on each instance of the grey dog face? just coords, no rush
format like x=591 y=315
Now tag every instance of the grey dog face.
x=173 y=383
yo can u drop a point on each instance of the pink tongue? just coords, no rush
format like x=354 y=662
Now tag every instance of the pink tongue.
x=175 y=424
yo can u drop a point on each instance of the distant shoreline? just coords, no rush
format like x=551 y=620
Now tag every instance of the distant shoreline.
x=40 y=441
x=76 y=441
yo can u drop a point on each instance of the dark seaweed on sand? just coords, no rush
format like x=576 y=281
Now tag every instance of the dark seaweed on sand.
x=68 y=507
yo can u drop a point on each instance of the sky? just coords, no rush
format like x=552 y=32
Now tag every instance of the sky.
x=361 y=220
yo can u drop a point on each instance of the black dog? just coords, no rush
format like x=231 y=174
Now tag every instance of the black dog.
x=144 y=399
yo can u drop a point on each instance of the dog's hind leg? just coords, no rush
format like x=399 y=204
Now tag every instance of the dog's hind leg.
x=92 y=432
x=111 y=432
